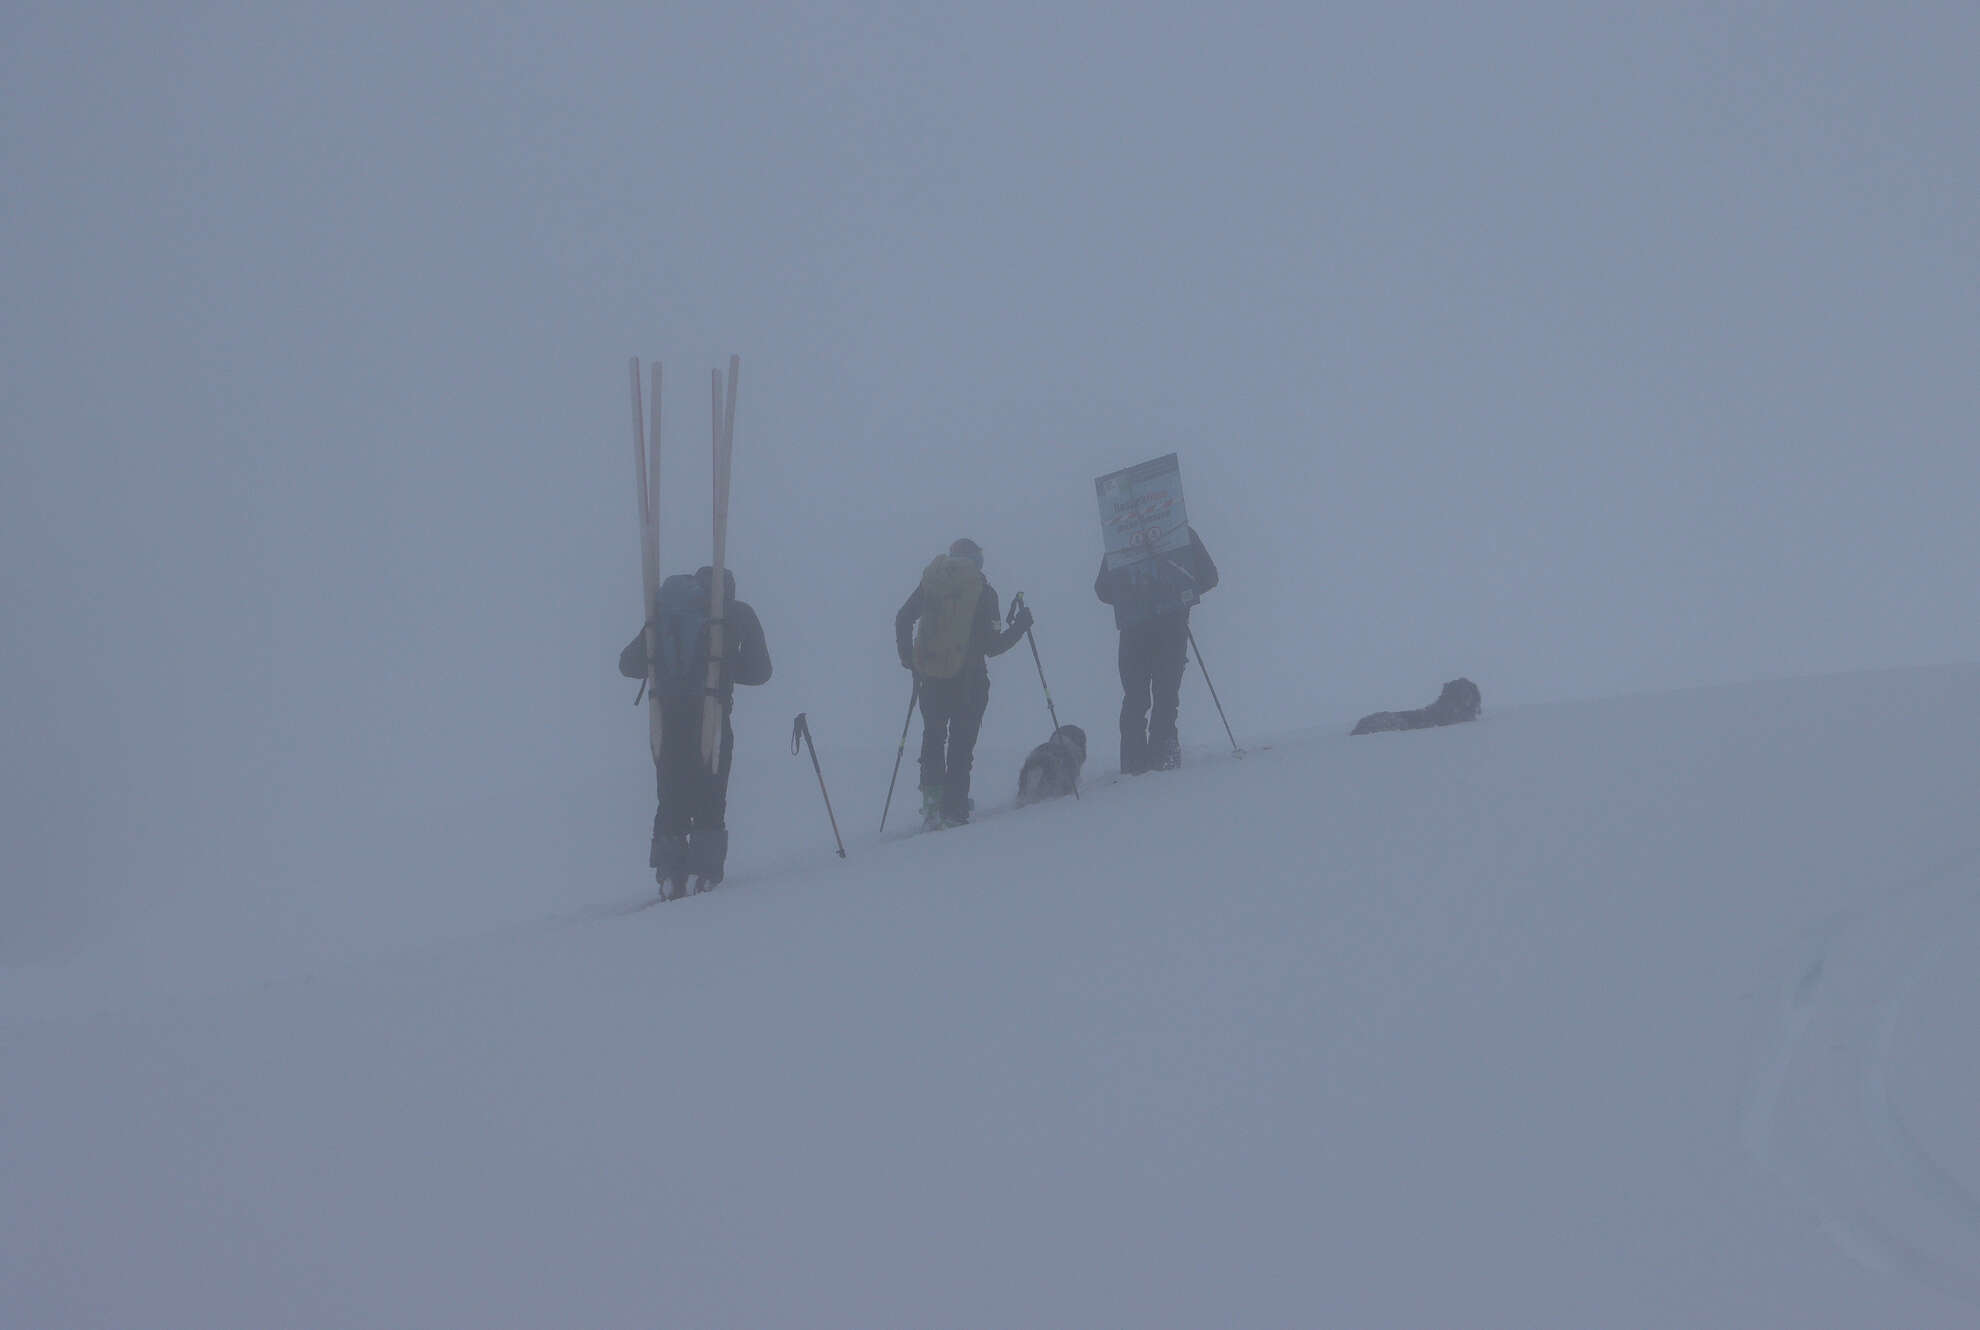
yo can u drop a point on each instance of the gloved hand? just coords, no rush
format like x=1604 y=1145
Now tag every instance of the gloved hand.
x=907 y=658
x=1023 y=621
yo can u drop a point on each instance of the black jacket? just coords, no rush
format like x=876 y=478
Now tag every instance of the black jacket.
x=748 y=653
x=1196 y=562
x=987 y=636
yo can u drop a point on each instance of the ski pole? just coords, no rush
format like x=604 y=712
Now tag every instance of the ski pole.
x=801 y=733
x=913 y=698
x=1213 y=692
x=1017 y=603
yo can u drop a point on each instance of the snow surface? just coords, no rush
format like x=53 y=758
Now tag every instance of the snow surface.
x=1642 y=1012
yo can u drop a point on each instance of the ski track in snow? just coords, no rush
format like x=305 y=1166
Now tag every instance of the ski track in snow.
x=1821 y=1114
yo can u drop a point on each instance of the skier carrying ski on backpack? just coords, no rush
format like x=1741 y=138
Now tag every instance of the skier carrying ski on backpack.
x=1151 y=601
x=945 y=631
x=690 y=828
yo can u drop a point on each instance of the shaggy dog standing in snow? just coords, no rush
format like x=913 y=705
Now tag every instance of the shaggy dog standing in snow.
x=1458 y=702
x=1052 y=770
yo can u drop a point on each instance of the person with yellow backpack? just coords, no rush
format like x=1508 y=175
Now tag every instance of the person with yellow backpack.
x=946 y=630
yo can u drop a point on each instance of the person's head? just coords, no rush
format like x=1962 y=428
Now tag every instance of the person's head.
x=968 y=549
x=706 y=576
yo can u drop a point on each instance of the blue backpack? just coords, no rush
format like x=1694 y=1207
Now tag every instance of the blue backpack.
x=680 y=632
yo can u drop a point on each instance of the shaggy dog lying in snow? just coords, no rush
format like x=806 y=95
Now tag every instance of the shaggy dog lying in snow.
x=1052 y=770
x=1458 y=702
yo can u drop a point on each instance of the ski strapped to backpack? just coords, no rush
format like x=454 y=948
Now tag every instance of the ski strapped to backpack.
x=717 y=654
x=646 y=462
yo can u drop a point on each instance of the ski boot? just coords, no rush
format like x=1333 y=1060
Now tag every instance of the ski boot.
x=669 y=861
x=931 y=808
x=708 y=853
x=1134 y=754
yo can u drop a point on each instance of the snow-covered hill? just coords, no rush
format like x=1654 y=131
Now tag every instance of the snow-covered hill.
x=1646 y=1012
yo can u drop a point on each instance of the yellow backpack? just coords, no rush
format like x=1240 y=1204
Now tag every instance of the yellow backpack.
x=950 y=588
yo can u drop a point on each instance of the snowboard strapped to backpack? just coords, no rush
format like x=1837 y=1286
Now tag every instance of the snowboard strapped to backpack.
x=680 y=632
x=950 y=587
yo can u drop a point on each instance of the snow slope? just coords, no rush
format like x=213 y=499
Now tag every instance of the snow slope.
x=1643 y=1012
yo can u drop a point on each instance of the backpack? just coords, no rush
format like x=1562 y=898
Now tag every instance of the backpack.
x=950 y=587
x=680 y=645
x=1152 y=587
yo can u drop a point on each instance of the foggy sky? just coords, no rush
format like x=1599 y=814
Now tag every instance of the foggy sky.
x=1577 y=349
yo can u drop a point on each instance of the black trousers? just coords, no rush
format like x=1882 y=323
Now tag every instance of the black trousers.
x=951 y=716
x=691 y=797
x=1153 y=654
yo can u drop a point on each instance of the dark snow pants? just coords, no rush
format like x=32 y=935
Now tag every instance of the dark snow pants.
x=1152 y=657
x=689 y=829
x=951 y=716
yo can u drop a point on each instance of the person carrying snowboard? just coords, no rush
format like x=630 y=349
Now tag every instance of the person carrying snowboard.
x=690 y=828
x=1151 y=600
x=948 y=627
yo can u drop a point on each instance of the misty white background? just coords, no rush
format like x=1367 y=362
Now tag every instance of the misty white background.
x=1580 y=349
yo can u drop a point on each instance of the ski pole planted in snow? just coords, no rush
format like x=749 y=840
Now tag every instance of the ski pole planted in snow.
x=906 y=725
x=801 y=736
x=1213 y=694
x=1017 y=603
